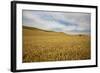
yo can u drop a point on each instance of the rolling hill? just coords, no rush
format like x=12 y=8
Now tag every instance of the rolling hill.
x=40 y=46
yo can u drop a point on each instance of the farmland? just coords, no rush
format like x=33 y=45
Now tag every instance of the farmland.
x=42 y=46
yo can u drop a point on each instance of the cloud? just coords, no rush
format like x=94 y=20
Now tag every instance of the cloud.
x=67 y=22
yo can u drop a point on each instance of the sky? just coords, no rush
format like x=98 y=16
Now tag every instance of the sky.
x=67 y=22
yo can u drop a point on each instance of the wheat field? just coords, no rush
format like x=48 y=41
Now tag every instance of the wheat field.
x=42 y=46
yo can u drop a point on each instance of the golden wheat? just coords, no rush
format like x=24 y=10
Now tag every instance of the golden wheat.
x=40 y=46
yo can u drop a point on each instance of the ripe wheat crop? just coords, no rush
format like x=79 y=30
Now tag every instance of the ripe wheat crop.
x=41 y=46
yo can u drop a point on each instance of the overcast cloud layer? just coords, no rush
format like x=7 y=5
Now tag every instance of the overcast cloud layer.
x=67 y=22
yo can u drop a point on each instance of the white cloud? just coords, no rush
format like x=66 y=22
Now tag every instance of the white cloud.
x=57 y=21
